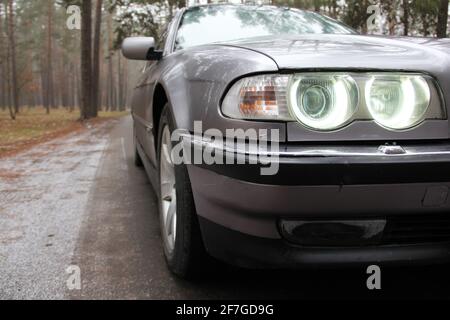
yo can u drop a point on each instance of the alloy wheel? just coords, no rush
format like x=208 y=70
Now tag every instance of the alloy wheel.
x=168 y=199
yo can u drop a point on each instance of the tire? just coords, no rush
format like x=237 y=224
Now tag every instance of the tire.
x=183 y=248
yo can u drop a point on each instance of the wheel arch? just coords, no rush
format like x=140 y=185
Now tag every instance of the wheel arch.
x=160 y=99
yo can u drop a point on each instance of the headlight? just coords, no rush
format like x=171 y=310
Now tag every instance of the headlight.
x=330 y=100
x=323 y=102
x=260 y=97
x=397 y=102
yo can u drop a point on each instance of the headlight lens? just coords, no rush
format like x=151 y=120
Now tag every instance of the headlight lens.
x=260 y=97
x=323 y=102
x=398 y=102
x=328 y=101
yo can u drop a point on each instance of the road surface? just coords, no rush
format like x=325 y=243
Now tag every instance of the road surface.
x=79 y=201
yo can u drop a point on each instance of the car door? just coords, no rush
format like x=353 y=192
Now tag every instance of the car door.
x=139 y=109
x=142 y=105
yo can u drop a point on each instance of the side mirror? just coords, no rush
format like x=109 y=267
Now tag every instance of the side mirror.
x=140 y=48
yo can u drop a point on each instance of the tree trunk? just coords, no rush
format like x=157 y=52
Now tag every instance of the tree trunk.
x=69 y=90
x=44 y=83
x=86 y=60
x=405 y=19
x=112 y=88
x=101 y=76
x=425 y=25
x=76 y=88
x=96 y=61
x=8 y=68
x=50 y=99
x=392 y=23
x=2 y=65
x=12 y=112
x=334 y=9
x=64 y=82
x=110 y=79
x=119 y=83
x=316 y=5
x=125 y=84
x=109 y=84
x=12 y=45
x=442 y=19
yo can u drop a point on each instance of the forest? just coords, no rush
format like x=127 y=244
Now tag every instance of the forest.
x=45 y=63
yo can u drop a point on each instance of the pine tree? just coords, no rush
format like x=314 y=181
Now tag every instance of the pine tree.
x=49 y=92
x=442 y=19
x=96 y=98
x=12 y=56
x=86 y=60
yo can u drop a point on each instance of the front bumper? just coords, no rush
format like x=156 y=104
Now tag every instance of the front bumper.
x=326 y=183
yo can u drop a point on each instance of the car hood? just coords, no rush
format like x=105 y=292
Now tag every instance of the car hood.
x=353 y=52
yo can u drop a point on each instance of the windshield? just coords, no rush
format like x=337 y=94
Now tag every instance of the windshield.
x=208 y=24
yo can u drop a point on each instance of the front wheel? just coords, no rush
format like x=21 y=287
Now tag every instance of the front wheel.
x=183 y=246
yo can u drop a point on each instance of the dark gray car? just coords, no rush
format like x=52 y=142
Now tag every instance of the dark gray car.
x=360 y=128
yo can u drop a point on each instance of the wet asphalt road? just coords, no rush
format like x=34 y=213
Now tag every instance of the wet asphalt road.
x=101 y=215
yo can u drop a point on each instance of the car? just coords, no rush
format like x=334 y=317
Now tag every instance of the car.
x=355 y=128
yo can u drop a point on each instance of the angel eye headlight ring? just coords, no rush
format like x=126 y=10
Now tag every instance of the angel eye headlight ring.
x=322 y=101
x=398 y=102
